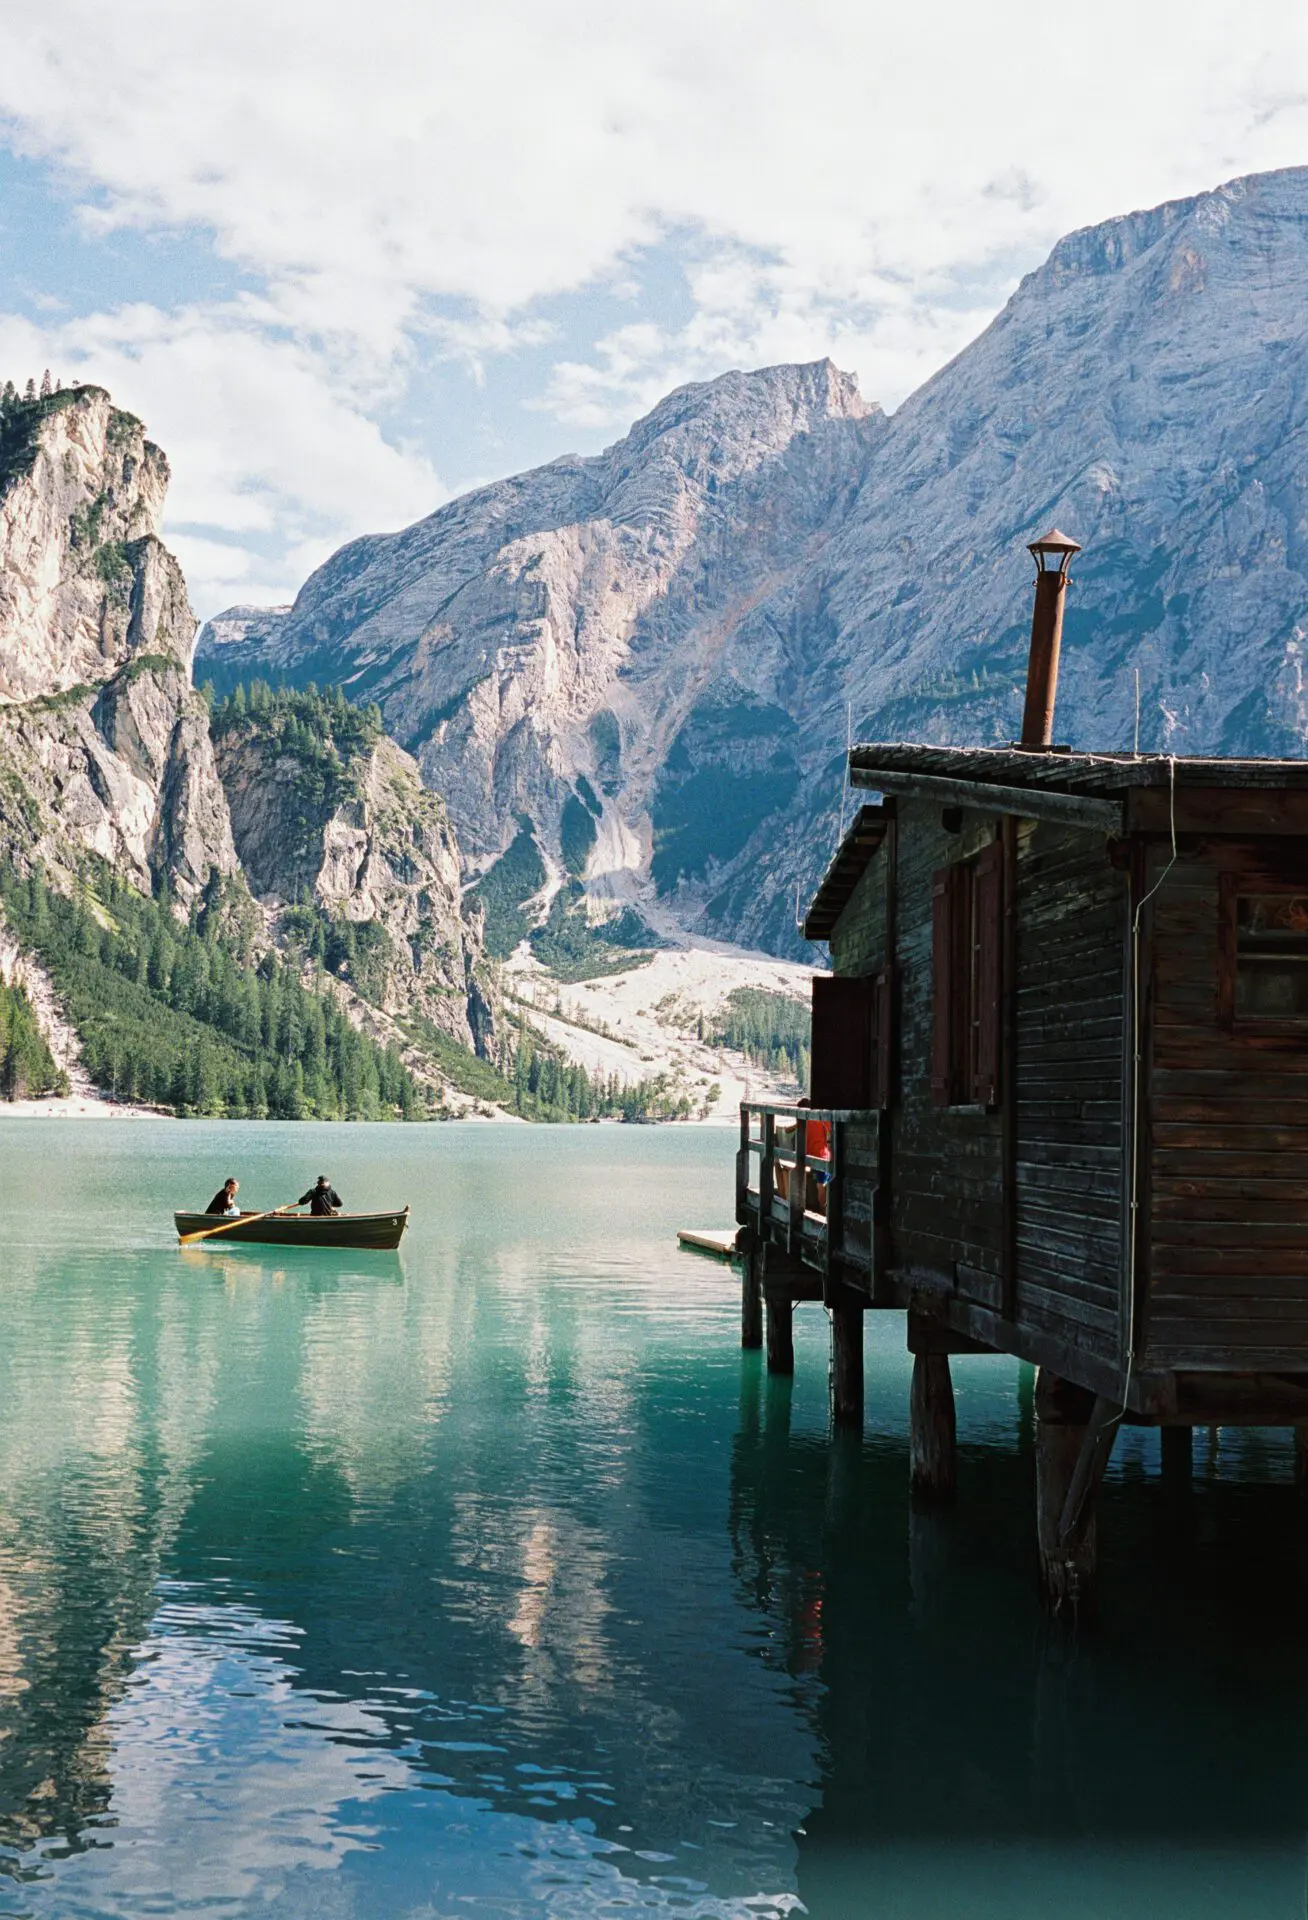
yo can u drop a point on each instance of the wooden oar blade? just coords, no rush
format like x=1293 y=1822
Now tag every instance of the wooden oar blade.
x=225 y=1226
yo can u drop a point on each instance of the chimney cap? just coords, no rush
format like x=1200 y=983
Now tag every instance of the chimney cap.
x=1054 y=542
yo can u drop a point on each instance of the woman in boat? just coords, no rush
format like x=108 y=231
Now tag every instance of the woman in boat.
x=224 y=1201
x=321 y=1199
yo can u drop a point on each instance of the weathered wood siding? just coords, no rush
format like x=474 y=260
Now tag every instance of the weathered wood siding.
x=946 y=1208
x=858 y=939
x=1071 y=950
x=1227 y=1260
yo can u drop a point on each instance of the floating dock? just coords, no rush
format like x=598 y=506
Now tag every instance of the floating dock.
x=718 y=1241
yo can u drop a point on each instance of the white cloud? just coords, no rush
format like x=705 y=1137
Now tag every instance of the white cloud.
x=266 y=438
x=854 y=179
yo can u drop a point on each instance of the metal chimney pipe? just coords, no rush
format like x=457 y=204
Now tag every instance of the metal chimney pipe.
x=1052 y=556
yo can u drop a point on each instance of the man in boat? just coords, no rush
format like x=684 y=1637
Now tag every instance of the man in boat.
x=224 y=1201
x=321 y=1199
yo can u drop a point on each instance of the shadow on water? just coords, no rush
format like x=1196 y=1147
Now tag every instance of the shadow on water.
x=980 y=1760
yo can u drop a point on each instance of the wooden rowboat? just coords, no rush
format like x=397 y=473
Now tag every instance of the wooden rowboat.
x=373 y=1232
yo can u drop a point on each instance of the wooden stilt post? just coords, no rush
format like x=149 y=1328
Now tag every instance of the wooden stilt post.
x=847 y=1363
x=781 y=1333
x=751 y=1295
x=1074 y=1436
x=1301 y=1459
x=1177 y=1445
x=933 y=1471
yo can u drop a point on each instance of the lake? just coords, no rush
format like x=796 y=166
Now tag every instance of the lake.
x=491 y=1578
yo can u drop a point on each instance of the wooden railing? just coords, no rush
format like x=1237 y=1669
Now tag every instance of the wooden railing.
x=817 y=1207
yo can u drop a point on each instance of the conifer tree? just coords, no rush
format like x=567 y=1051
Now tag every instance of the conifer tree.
x=29 y=391
x=46 y=388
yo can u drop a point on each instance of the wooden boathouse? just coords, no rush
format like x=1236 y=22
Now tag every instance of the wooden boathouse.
x=1059 y=1095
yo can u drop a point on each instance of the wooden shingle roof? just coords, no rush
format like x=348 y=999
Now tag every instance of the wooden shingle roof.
x=1066 y=772
x=848 y=865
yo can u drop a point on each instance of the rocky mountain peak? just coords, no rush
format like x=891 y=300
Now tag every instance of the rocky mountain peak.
x=101 y=731
x=84 y=580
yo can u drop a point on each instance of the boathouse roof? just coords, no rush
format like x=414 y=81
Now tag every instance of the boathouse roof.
x=848 y=864
x=900 y=765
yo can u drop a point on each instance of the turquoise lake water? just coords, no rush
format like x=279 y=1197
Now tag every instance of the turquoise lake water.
x=490 y=1578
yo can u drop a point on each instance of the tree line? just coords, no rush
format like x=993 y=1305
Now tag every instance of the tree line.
x=27 y=1066
x=173 y=1013
x=770 y=1029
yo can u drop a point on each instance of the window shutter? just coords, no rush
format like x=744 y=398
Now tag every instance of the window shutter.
x=841 y=1057
x=882 y=1040
x=944 y=986
x=988 y=910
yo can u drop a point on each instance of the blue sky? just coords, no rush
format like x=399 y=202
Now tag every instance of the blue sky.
x=346 y=264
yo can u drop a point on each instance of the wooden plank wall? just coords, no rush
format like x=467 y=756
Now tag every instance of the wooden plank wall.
x=858 y=939
x=946 y=1223
x=1228 y=1199
x=1071 y=942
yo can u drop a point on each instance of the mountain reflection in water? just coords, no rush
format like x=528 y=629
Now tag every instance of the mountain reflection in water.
x=491 y=1576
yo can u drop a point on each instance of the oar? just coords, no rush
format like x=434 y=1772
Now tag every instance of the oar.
x=241 y=1220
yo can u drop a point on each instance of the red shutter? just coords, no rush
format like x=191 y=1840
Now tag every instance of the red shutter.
x=883 y=1041
x=841 y=1071
x=944 y=986
x=988 y=1013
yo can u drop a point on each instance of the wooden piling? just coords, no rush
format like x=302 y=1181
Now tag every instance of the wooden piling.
x=1074 y=1436
x=1301 y=1459
x=933 y=1467
x=847 y=1363
x=1177 y=1448
x=751 y=1295
x=781 y=1332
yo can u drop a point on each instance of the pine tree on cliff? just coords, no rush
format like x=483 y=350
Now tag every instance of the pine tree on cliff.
x=46 y=388
x=29 y=391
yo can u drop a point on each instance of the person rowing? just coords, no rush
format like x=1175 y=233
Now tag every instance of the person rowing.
x=224 y=1201
x=322 y=1199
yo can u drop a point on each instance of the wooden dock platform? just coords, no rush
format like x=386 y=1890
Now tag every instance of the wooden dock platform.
x=718 y=1241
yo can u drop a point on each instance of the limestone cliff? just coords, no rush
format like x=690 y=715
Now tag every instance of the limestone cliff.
x=327 y=810
x=553 y=634
x=104 y=744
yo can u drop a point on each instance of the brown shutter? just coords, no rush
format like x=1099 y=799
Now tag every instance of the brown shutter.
x=841 y=1072
x=944 y=986
x=988 y=910
x=883 y=1041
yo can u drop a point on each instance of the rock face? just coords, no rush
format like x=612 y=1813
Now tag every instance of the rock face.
x=574 y=622
x=339 y=816
x=104 y=744
x=688 y=621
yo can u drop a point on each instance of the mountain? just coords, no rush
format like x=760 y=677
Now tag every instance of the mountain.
x=543 y=646
x=104 y=743
x=331 y=818
x=673 y=636
x=127 y=929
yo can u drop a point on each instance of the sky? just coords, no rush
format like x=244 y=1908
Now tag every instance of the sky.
x=349 y=261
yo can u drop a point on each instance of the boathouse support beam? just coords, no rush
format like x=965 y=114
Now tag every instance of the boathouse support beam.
x=1075 y=1431
x=932 y=1438
x=781 y=1332
x=846 y=1362
x=751 y=1294
x=1176 y=1445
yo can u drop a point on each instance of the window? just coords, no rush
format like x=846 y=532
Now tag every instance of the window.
x=1263 y=983
x=967 y=913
